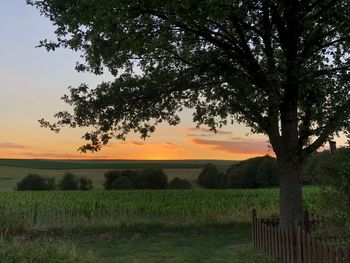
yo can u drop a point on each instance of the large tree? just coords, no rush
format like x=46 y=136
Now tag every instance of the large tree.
x=279 y=66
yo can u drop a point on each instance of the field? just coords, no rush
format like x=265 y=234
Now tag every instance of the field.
x=12 y=171
x=130 y=226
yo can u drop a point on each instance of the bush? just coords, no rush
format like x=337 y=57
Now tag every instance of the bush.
x=110 y=177
x=69 y=182
x=35 y=182
x=178 y=183
x=334 y=174
x=122 y=183
x=85 y=184
x=151 y=178
x=243 y=174
x=208 y=177
x=267 y=173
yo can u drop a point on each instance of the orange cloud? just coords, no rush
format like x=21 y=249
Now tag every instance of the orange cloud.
x=47 y=155
x=10 y=145
x=236 y=146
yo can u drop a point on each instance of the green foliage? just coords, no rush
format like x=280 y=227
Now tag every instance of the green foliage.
x=69 y=182
x=267 y=173
x=35 y=182
x=311 y=167
x=111 y=176
x=66 y=210
x=41 y=252
x=122 y=183
x=152 y=178
x=243 y=174
x=85 y=184
x=240 y=60
x=209 y=177
x=334 y=174
x=178 y=183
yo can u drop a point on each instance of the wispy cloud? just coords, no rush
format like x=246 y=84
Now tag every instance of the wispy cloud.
x=235 y=146
x=58 y=155
x=205 y=132
x=10 y=145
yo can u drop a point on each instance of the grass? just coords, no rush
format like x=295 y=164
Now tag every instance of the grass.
x=230 y=243
x=200 y=243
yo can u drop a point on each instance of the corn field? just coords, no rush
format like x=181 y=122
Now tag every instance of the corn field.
x=68 y=209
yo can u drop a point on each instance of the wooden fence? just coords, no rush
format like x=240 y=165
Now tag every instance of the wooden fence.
x=294 y=244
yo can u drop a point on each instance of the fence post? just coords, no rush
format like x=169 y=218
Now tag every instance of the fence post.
x=307 y=224
x=254 y=227
x=298 y=246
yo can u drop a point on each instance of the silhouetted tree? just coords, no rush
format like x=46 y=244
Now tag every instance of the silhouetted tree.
x=281 y=67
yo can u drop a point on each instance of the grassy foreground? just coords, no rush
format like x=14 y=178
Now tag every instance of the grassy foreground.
x=134 y=226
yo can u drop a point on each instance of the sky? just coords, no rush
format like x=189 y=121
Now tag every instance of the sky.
x=32 y=81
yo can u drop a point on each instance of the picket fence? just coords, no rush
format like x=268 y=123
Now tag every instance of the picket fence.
x=294 y=244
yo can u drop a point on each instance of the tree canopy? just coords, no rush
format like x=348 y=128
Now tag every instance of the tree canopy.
x=248 y=61
x=279 y=66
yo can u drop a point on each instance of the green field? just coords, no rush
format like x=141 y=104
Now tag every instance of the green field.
x=128 y=226
x=141 y=226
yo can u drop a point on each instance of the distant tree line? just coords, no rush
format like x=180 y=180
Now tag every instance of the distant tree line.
x=150 y=178
x=35 y=182
x=258 y=172
x=252 y=173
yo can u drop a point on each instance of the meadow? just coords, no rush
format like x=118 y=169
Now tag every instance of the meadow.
x=196 y=225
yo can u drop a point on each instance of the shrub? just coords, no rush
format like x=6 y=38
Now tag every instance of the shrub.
x=85 y=184
x=35 y=182
x=208 y=177
x=178 y=183
x=151 y=178
x=334 y=174
x=110 y=177
x=69 y=182
x=121 y=183
x=267 y=173
x=243 y=174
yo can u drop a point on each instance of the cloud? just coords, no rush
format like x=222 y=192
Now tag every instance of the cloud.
x=205 y=132
x=10 y=145
x=137 y=143
x=59 y=155
x=235 y=146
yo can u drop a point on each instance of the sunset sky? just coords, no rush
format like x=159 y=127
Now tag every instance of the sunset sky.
x=32 y=82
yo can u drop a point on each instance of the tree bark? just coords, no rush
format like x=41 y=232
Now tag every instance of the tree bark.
x=290 y=180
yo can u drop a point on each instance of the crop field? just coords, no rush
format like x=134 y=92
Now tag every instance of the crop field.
x=65 y=209
x=197 y=225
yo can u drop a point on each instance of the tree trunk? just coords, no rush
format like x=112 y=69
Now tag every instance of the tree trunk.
x=290 y=179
